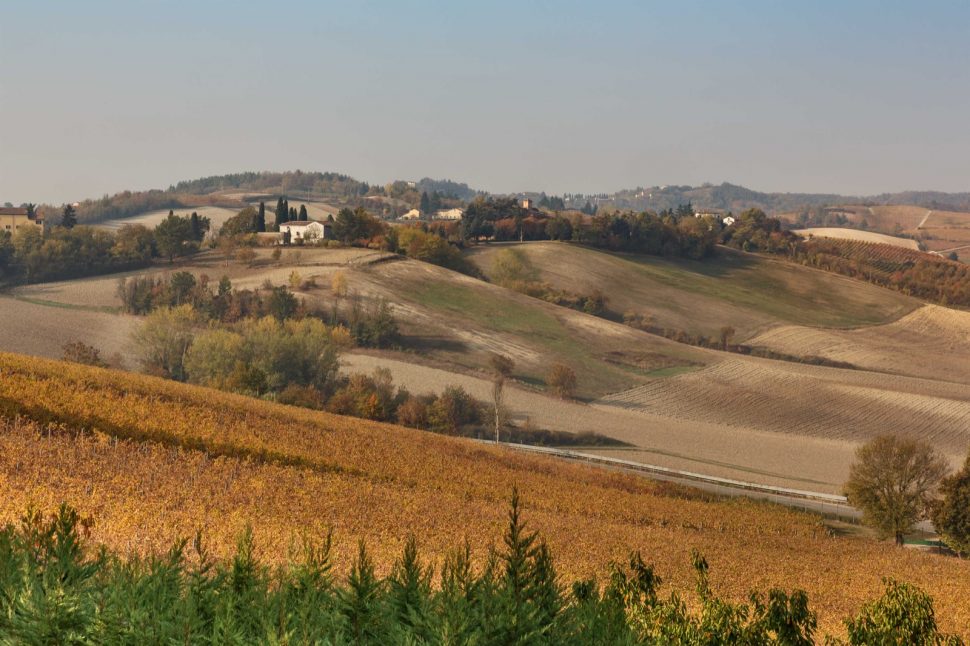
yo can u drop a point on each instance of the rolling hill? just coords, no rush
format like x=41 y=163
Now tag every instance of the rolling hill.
x=152 y=460
x=748 y=292
x=750 y=419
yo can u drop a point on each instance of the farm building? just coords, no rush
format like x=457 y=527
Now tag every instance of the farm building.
x=729 y=221
x=449 y=214
x=413 y=214
x=13 y=219
x=307 y=231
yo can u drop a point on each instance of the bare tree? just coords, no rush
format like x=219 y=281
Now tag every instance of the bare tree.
x=893 y=481
x=727 y=332
x=502 y=368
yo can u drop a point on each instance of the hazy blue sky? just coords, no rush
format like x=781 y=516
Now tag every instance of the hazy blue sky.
x=855 y=97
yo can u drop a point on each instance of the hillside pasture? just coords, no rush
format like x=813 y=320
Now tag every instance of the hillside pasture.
x=747 y=292
x=458 y=321
x=151 y=461
x=856 y=234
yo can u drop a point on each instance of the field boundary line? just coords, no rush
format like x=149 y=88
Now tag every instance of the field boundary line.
x=686 y=475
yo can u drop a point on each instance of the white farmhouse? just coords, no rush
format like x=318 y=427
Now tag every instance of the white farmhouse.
x=729 y=221
x=413 y=214
x=308 y=231
x=449 y=214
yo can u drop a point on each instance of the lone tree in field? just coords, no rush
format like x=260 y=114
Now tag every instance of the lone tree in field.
x=951 y=514
x=502 y=368
x=892 y=482
x=562 y=380
x=727 y=333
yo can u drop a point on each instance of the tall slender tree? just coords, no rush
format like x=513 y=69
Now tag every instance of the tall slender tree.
x=304 y=216
x=280 y=213
x=261 y=218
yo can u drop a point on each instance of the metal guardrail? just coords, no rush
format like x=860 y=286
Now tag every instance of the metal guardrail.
x=685 y=475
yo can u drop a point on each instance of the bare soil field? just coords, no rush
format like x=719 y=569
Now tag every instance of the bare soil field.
x=803 y=462
x=217 y=215
x=746 y=292
x=857 y=234
x=933 y=343
x=42 y=330
x=794 y=399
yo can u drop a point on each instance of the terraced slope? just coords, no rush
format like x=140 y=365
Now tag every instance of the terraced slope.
x=152 y=460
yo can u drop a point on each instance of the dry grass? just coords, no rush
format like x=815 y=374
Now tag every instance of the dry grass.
x=286 y=471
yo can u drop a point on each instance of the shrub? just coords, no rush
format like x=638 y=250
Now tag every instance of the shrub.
x=562 y=380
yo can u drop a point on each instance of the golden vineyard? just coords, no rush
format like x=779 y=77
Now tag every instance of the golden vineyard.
x=151 y=461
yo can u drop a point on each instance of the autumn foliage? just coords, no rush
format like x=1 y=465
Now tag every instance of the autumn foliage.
x=154 y=460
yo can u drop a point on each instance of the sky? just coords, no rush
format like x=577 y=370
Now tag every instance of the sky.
x=854 y=97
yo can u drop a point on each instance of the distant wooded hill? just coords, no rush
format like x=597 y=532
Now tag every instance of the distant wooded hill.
x=340 y=188
x=730 y=197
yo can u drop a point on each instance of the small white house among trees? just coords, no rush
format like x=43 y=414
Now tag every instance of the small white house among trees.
x=306 y=231
x=449 y=214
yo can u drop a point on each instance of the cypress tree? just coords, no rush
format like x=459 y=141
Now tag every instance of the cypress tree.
x=261 y=218
x=280 y=213
x=286 y=207
x=303 y=214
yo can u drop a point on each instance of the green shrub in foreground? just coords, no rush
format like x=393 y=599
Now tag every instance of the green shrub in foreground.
x=53 y=591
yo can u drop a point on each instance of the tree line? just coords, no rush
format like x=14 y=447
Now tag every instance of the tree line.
x=911 y=272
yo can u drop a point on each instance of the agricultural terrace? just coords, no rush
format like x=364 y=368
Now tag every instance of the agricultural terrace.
x=152 y=460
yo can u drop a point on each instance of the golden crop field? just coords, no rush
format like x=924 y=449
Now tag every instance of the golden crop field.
x=152 y=460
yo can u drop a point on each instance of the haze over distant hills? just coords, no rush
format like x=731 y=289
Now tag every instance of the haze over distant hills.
x=723 y=197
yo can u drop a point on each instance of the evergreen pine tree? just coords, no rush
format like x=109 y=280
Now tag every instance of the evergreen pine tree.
x=69 y=217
